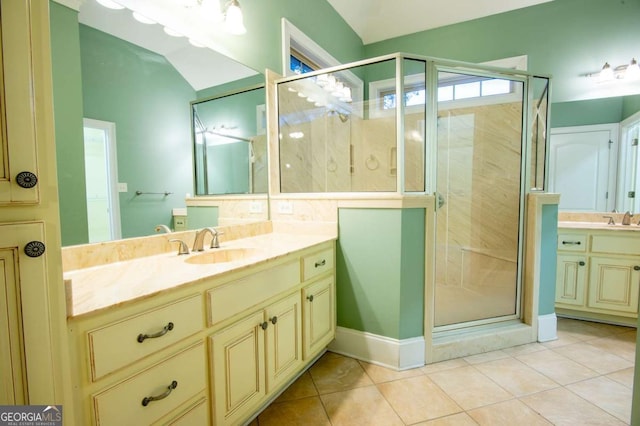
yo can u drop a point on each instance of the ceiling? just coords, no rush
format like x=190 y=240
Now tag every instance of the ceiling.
x=376 y=20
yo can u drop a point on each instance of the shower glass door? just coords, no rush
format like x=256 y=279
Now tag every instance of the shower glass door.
x=478 y=184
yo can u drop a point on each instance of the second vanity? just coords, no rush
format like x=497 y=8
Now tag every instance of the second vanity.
x=598 y=271
x=205 y=338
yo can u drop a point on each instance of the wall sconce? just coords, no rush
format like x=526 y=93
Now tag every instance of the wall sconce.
x=627 y=72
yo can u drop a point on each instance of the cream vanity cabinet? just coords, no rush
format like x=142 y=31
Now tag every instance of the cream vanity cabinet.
x=143 y=363
x=212 y=352
x=598 y=274
x=254 y=357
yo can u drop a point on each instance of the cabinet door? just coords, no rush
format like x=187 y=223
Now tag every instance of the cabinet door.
x=319 y=316
x=284 y=340
x=614 y=283
x=570 y=280
x=17 y=108
x=238 y=380
x=23 y=294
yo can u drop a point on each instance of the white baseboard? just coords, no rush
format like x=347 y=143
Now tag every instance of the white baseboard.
x=547 y=327
x=380 y=350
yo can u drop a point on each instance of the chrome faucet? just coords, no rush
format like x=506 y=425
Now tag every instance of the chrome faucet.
x=183 y=248
x=198 y=243
x=626 y=220
x=164 y=228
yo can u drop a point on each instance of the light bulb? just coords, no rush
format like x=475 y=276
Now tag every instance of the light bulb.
x=211 y=9
x=633 y=70
x=110 y=4
x=234 y=21
x=606 y=73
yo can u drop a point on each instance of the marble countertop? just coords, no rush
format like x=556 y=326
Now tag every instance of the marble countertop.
x=99 y=287
x=597 y=225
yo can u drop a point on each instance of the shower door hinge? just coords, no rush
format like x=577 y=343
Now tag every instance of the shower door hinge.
x=610 y=143
x=606 y=195
x=634 y=142
x=631 y=194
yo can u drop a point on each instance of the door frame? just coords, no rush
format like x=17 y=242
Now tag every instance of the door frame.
x=112 y=172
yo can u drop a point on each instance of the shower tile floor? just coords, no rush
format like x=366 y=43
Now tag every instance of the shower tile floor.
x=584 y=377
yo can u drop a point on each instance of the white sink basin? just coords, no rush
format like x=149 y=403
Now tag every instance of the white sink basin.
x=222 y=255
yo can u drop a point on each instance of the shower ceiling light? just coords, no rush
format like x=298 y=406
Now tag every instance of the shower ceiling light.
x=606 y=73
x=633 y=70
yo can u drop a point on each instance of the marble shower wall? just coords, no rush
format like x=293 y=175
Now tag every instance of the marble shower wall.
x=479 y=153
x=325 y=151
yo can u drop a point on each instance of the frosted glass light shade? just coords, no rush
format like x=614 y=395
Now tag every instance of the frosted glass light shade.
x=234 y=21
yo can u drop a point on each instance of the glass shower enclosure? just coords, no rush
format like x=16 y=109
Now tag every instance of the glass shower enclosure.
x=471 y=137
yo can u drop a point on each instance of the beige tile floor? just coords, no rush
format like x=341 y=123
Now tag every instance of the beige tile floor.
x=584 y=377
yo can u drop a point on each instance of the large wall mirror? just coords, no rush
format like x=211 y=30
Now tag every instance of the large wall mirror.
x=230 y=143
x=141 y=81
x=593 y=160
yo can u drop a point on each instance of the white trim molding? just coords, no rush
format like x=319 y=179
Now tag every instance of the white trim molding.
x=292 y=36
x=380 y=350
x=547 y=327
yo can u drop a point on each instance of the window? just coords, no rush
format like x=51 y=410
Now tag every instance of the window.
x=300 y=64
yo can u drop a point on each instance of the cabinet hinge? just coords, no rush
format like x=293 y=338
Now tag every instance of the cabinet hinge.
x=631 y=194
x=606 y=195
x=610 y=143
x=634 y=142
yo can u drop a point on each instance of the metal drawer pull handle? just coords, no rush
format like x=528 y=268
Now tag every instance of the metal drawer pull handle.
x=264 y=325
x=571 y=243
x=274 y=320
x=636 y=268
x=310 y=298
x=321 y=263
x=581 y=263
x=160 y=333
x=147 y=399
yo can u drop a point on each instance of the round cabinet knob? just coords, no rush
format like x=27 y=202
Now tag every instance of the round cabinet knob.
x=636 y=268
x=264 y=325
x=26 y=180
x=34 y=249
x=310 y=298
x=274 y=320
x=581 y=263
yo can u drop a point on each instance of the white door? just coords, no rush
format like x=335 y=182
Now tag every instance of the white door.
x=103 y=211
x=582 y=167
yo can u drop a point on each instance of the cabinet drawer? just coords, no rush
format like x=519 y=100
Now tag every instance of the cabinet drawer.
x=194 y=415
x=122 y=404
x=572 y=242
x=615 y=244
x=317 y=263
x=117 y=344
x=236 y=296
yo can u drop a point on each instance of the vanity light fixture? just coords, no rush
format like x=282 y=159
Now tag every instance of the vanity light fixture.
x=627 y=72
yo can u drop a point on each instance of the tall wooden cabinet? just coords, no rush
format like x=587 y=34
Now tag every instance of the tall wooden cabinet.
x=32 y=315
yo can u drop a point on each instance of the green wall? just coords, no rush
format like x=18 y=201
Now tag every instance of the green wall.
x=233 y=86
x=148 y=100
x=548 y=254
x=67 y=104
x=564 y=38
x=630 y=105
x=380 y=271
x=580 y=113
